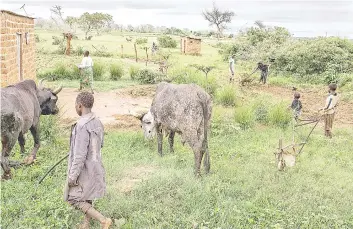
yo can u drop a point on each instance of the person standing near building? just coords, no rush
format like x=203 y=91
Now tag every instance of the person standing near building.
x=86 y=67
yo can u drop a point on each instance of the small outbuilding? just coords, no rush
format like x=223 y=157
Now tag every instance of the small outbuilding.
x=17 y=47
x=190 y=45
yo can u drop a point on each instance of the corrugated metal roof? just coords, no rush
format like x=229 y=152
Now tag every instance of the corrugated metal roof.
x=12 y=13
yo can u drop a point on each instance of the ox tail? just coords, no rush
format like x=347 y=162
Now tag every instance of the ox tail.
x=206 y=118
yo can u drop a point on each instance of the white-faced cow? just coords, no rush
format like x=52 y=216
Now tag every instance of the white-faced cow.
x=183 y=109
x=21 y=106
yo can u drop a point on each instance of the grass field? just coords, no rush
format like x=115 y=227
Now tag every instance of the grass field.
x=244 y=189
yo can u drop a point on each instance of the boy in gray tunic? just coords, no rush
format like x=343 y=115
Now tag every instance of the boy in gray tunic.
x=85 y=173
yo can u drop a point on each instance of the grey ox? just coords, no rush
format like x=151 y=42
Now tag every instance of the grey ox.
x=21 y=106
x=184 y=109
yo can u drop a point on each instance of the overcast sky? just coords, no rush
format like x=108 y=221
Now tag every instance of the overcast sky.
x=302 y=18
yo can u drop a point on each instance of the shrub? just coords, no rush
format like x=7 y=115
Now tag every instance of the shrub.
x=245 y=117
x=147 y=76
x=102 y=51
x=226 y=96
x=61 y=71
x=260 y=108
x=167 y=42
x=49 y=128
x=98 y=71
x=133 y=72
x=57 y=40
x=141 y=41
x=116 y=71
x=279 y=115
x=36 y=38
x=79 y=51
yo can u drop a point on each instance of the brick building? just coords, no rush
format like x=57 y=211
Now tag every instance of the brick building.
x=190 y=45
x=17 y=48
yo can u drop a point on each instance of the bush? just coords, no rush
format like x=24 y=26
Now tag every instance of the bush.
x=36 y=38
x=102 y=51
x=226 y=96
x=61 y=71
x=57 y=40
x=147 y=76
x=327 y=56
x=167 y=42
x=79 y=51
x=260 y=108
x=116 y=71
x=141 y=41
x=98 y=71
x=134 y=70
x=245 y=117
x=184 y=75
x=279 y=115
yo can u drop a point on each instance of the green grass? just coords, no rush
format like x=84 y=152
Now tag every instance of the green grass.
x=244 y=190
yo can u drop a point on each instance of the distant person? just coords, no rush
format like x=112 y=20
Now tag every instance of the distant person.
x=264 y=72
x=86 y=67
x=330 y=109
x=231 y=68
x=154 y=48
x=85 y=173
x=296 y=106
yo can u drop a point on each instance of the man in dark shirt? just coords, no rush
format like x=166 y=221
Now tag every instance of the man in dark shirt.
x=264 y=71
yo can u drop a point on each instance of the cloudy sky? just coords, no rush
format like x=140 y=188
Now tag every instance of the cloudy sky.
x=301 y=17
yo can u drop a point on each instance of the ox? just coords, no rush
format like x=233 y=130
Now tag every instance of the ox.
x=21 y=106
x=183 y=109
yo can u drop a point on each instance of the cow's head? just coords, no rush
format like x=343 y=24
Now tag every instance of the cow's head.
x=148 y=123
x=47 y=99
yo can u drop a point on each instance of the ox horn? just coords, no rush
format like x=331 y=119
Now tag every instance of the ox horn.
x=138 y=114
x=57 y=90
x=40 y=84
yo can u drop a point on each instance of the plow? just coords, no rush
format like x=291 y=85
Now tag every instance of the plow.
x=286 y=155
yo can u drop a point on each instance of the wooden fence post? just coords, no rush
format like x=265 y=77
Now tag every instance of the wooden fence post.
x=122 y=51
x=146 y=49
x=135 y=52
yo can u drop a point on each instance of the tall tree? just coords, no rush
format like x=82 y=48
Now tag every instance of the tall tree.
x=217 y=17
x=72 y=22
x=96 y=21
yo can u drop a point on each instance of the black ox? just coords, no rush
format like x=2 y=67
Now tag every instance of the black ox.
x=21 y=106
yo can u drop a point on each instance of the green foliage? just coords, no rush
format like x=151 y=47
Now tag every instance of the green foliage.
x=261 y=108
x=182 y=75
x=98 y=71
x=116 y=71
x=257 y=44
x=147 y=76
x=133 y=71
x=79 y=50
x=227 y=96
x=61 y=71
x=95 y=21
x=141 y=41
x=245 y=117
x=167 y=42
x=57 y=40
x=328 y=56
x=102 y=51
x=279 y=115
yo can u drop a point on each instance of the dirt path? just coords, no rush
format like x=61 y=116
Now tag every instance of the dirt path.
x=113 y=108
x=312 y=100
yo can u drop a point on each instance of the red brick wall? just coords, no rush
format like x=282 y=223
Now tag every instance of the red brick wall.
x=10 y=25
